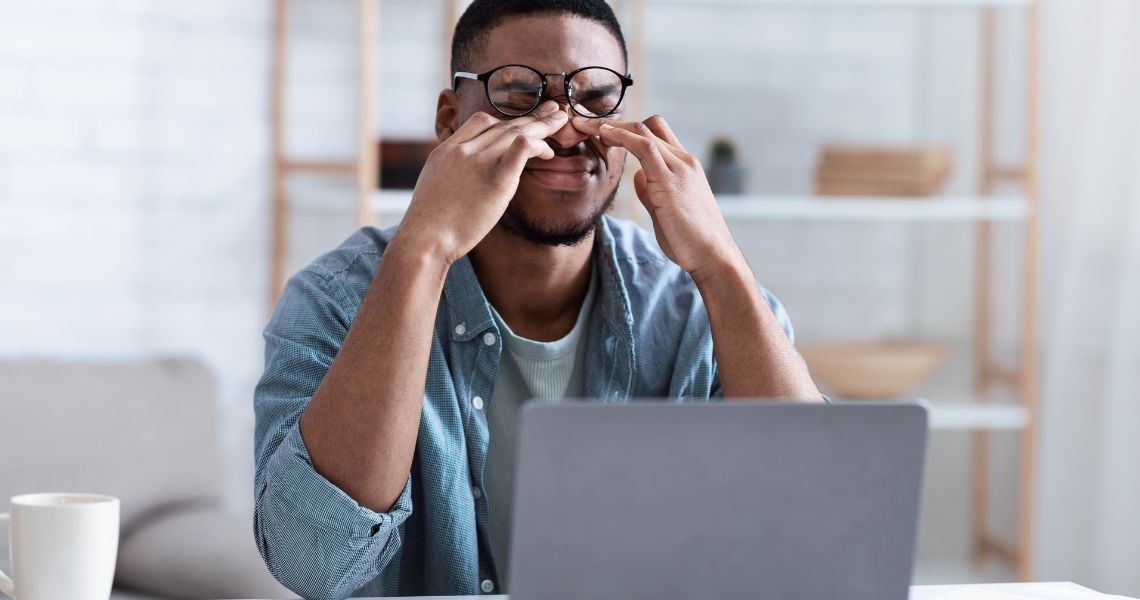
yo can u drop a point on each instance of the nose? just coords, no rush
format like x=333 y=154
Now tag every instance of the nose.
x=567 y=137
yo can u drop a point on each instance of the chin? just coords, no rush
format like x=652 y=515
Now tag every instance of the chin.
x=555 y=217
x=559 y=206
x=557 y=212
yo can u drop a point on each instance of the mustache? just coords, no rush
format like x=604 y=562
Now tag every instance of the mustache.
x=590 y=148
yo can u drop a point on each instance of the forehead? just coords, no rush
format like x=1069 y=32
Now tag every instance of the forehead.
x=552 y=43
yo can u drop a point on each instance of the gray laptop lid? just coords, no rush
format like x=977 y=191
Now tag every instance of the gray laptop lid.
x=659 y=500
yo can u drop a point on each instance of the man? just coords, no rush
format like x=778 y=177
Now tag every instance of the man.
x=396 y=364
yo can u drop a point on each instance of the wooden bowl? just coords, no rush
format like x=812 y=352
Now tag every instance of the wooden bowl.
x=871 y=369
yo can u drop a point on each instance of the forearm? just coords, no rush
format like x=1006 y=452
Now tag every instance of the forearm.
x=361 y=426
x=299 y=515
x=755 y=358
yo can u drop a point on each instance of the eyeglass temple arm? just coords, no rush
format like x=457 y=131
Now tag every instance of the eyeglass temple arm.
x=462 y=74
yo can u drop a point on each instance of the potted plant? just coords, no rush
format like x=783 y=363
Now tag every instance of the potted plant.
x=726 y=176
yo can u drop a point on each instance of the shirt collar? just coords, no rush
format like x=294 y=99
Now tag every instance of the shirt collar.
x=469 y=313
x=613 y=336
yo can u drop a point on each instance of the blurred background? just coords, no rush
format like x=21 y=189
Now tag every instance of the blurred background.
x=944 y=193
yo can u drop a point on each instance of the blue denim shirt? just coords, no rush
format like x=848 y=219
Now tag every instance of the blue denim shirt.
x=648 y=336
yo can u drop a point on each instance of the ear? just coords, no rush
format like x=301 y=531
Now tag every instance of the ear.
x=446 y=114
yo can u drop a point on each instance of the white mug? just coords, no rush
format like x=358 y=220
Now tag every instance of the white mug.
x=62 y=546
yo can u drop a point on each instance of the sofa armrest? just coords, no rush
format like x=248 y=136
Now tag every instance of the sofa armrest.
x=196 y=555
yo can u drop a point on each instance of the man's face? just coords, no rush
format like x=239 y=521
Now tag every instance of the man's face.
x=558 y=201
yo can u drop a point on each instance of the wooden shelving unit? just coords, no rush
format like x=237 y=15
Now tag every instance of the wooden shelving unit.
x=974 y=413
x=363 y=167
x=807 y=208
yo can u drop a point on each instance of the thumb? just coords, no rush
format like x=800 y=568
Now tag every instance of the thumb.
x=641 y=187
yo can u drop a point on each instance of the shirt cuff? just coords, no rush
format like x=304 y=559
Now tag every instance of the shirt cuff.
x=298 y=484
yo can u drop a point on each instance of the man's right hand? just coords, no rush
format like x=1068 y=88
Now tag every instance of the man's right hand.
x=470 y=178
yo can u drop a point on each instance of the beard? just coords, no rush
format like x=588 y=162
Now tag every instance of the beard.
x=547 y=232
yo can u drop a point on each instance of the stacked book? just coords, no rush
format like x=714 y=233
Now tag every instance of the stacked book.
x=880 y=171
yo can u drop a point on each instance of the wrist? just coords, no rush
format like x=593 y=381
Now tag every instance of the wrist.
x=421 y=233
x=427 y=256
x=724 y=270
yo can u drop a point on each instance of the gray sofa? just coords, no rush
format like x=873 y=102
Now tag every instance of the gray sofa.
x=145 y=432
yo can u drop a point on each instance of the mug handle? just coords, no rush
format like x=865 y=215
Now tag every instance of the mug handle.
x=6 y=586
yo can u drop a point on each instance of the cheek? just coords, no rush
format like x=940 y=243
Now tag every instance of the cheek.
x=615 y=160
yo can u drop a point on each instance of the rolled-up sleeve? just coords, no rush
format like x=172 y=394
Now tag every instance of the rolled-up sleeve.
x=315 y=539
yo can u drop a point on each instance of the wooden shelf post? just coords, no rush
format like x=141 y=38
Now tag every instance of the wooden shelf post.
x=367 y=135
x=987 y=374
x=278 y=201
x=1030 y=355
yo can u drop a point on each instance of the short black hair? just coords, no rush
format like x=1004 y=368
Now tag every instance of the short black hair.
x=484 y=15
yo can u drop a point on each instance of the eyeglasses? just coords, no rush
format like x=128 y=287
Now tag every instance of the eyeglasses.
x=516 y=90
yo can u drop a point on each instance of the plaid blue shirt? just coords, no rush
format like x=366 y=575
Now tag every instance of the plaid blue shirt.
x=648 y=336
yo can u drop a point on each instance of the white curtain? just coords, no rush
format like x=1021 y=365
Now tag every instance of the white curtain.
x=1089 y=485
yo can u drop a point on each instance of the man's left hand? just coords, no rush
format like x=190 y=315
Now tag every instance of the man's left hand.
x=672 y=186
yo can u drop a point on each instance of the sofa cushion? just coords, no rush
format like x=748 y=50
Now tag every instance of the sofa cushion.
x=144 y=431
x=195 y=555
x=119 y=594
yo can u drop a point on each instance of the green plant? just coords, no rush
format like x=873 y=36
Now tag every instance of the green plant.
x=723 y=150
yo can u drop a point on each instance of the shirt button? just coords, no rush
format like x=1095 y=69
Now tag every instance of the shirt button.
x=475 y=492
x=477 y=402
x=461 y=329
x=489 y=338
x=487 y=586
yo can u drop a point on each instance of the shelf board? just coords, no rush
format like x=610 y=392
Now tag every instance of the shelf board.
x=391 y=203
x=969 y=416
x=745 y=208
x=977 y=416
x=936 y=571
x=849 y=3
x=873 y=208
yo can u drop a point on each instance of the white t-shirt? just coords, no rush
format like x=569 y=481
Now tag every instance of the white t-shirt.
x=547 y=371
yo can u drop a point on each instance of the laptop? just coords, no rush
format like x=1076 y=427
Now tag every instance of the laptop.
x=727 y=500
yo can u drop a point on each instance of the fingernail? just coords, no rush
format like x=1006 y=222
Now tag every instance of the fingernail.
x=548 y=106
x=606 y=126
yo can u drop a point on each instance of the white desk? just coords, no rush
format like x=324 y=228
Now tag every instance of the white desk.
x=1001 y=591
x=1008 y=591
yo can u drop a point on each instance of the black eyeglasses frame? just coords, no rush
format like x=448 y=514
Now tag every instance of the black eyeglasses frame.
x=626 y=80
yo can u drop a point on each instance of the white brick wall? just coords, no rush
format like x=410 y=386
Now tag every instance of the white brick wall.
x=132 y=188
x=133 y=162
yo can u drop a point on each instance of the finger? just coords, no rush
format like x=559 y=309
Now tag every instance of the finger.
x=519 y=150
x=647 y=128
x=480 y=122
x=537 y=147
x=594 y=126
x=545 y=121
x=540 y=124
x=641 y=188
x=646 y=149
x=475 y=125
x=661 y=129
